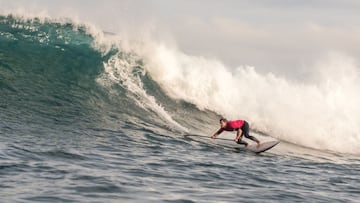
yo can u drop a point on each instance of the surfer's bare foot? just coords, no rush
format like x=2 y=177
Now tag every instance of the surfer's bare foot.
x=258 y=144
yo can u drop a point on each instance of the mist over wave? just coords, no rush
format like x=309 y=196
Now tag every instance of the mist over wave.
x=320 y=113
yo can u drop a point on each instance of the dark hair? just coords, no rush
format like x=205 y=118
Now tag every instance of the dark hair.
x=223 y=119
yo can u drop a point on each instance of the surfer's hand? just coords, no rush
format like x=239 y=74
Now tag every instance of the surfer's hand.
x=236 y=140
x=213 y=137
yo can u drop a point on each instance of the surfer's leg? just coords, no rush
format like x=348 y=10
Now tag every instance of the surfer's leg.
x=242 y=142
x=245 y=129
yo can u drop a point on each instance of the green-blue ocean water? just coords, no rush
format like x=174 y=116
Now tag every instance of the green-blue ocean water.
x=67 y=137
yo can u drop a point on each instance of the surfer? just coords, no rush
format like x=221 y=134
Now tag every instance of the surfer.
x=242 y=128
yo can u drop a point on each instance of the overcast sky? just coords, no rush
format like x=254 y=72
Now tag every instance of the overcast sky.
x=281 y=36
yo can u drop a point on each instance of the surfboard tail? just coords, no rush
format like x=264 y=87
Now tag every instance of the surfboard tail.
x=263 y=147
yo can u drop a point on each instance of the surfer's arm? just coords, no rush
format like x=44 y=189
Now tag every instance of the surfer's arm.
x=217 y=133
x=238 y=135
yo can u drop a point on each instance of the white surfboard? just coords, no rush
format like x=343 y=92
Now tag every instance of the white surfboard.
x=228 y=141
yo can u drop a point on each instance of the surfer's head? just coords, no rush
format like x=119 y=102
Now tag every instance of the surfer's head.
x=223 y=122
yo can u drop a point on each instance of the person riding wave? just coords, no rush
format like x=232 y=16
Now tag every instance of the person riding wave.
x=242 y=128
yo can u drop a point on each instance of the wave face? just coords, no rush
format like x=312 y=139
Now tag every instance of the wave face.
x=56 y=73
x=47 y=70
x=59 y=73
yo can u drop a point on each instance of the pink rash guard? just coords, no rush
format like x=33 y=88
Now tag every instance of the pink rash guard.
x=233 y=125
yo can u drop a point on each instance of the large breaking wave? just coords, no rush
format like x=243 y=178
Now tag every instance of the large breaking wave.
x=55 y=70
